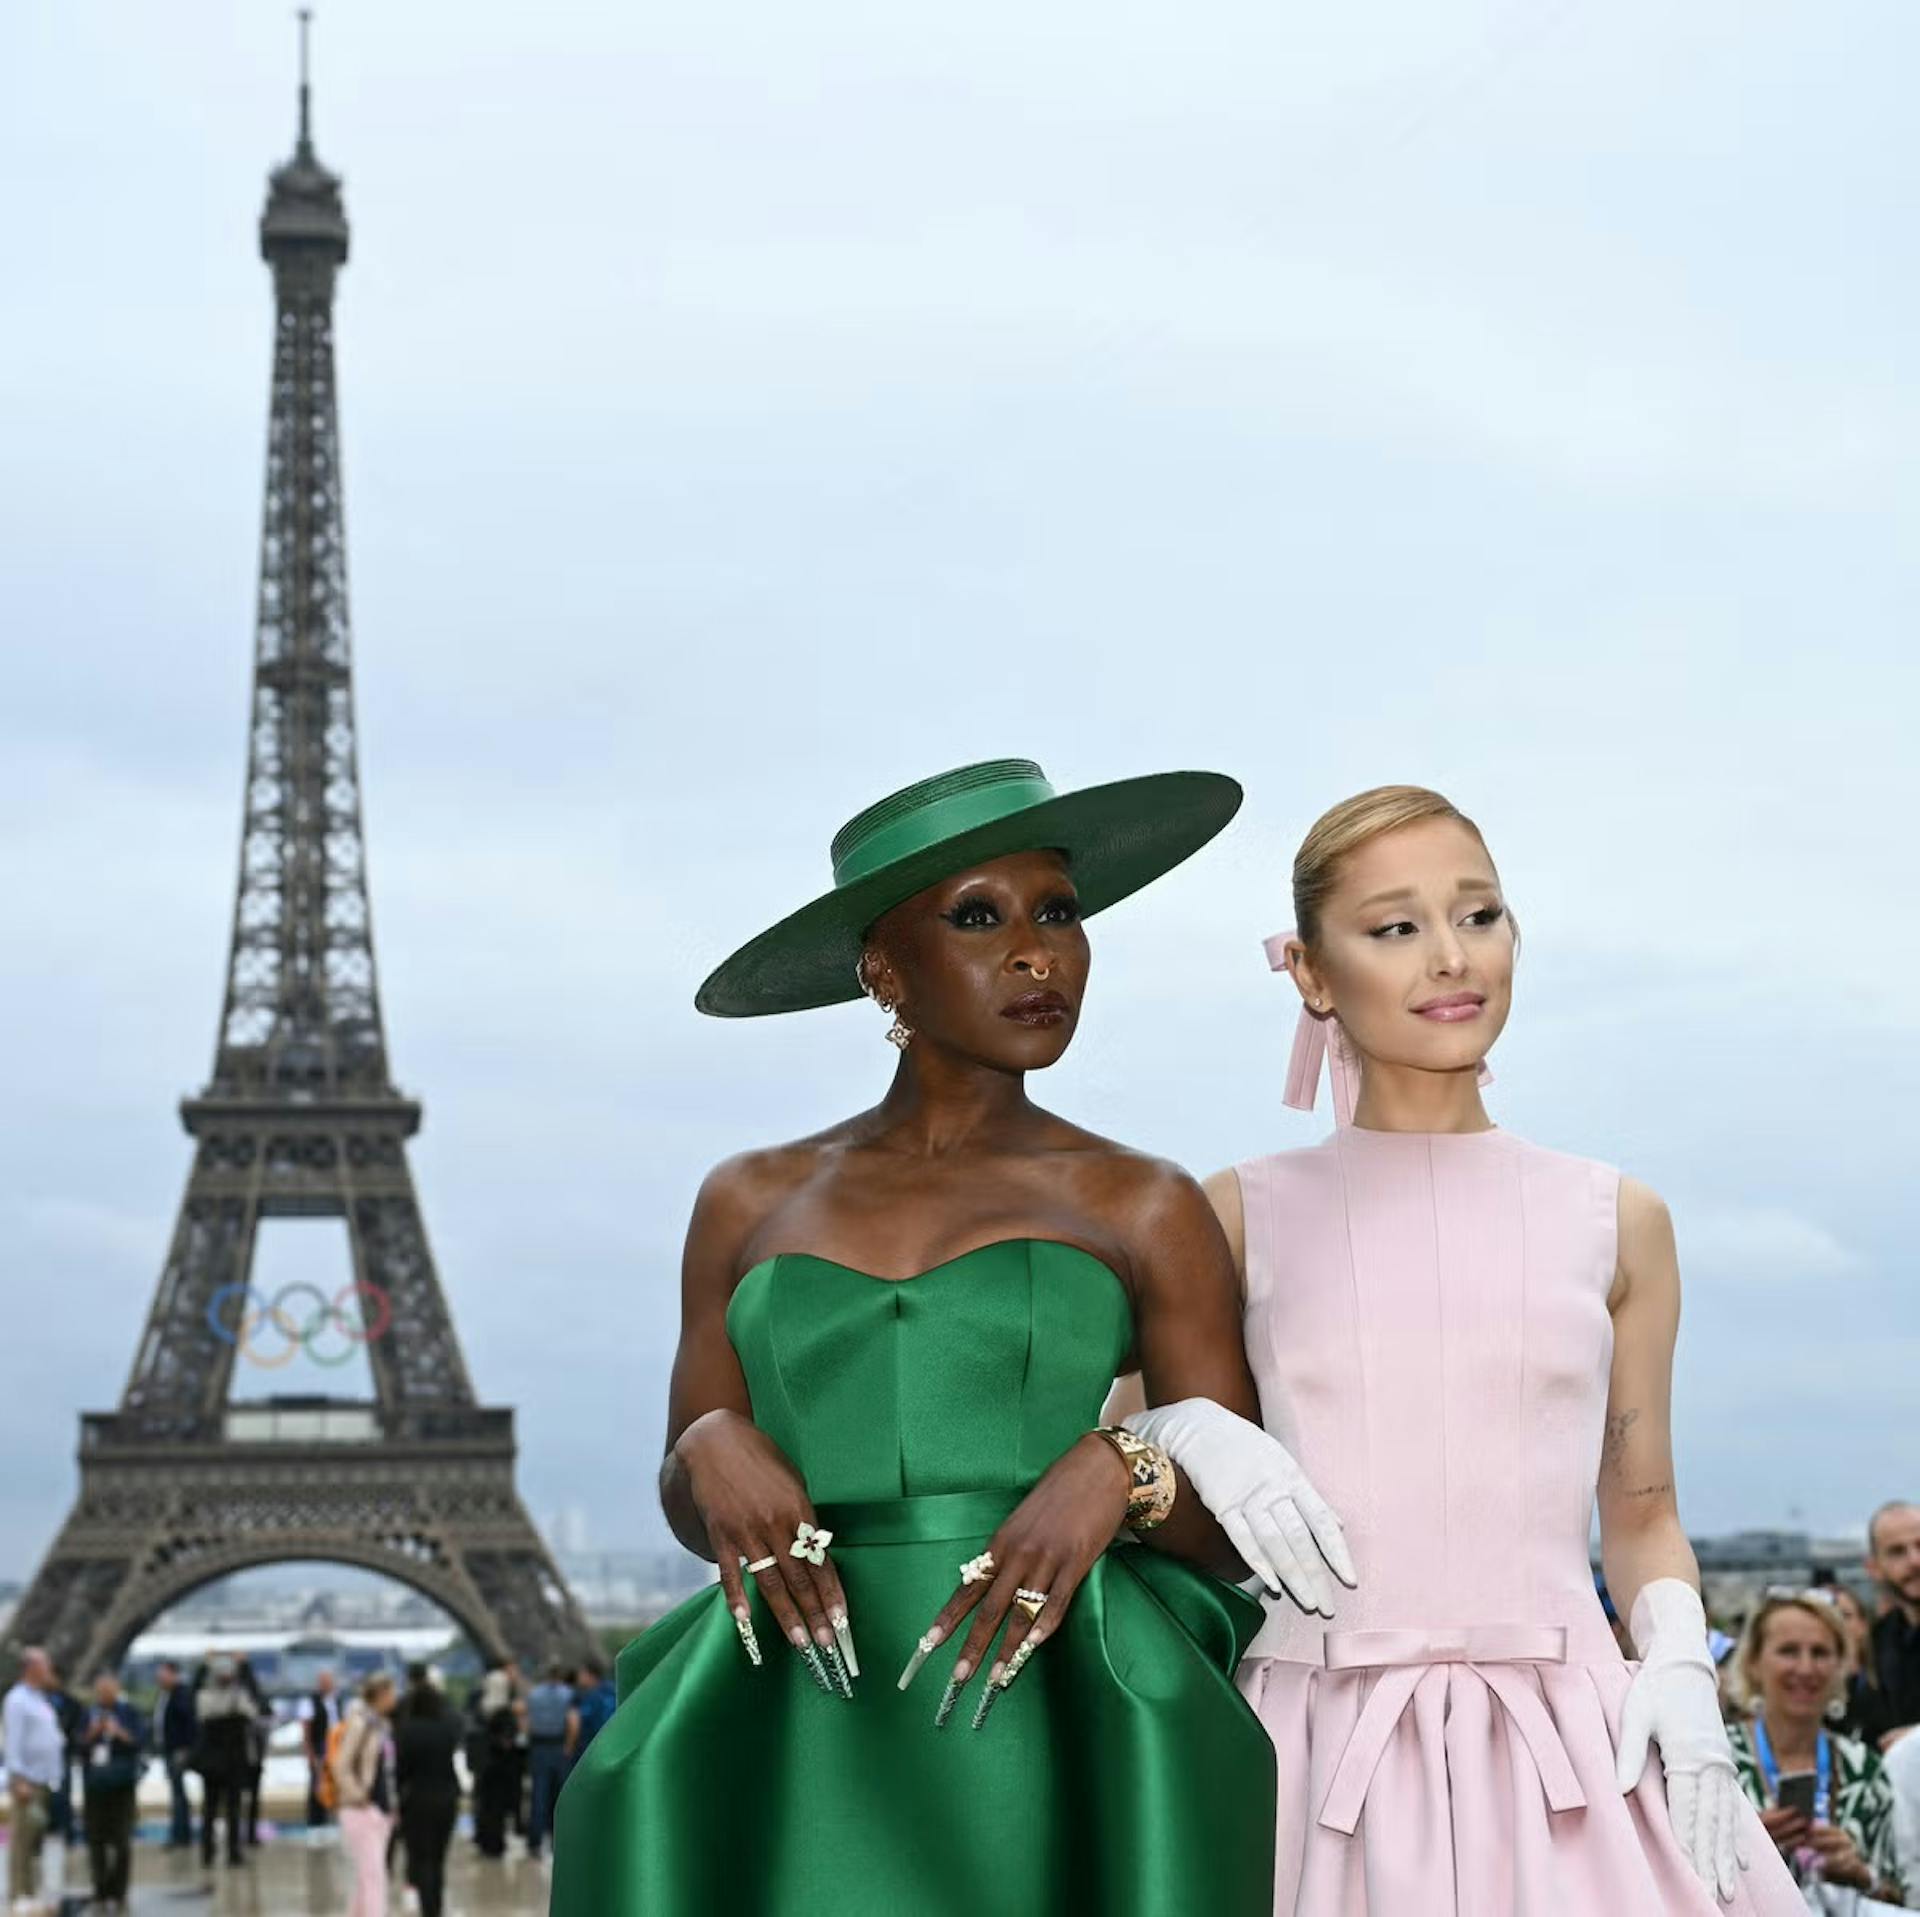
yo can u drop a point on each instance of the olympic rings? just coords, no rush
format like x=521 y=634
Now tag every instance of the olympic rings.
x=354 y=1326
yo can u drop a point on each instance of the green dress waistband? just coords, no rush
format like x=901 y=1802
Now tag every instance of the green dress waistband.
x=928 y=1520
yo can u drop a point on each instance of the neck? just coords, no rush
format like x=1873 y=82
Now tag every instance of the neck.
x=941 y=1103
x=1794 y=1736
x=1404 y=1098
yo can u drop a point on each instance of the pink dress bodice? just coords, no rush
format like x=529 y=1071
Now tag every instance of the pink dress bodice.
x=1427 y=1320
x=1427 y=1317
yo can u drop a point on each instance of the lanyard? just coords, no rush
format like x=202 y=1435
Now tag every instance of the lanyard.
x=1823 y=1769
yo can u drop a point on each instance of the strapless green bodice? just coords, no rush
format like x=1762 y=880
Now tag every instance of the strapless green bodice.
x=975 y=1374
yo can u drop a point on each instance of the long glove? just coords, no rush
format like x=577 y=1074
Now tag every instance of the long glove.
x=1275 y=1519
x=1674 y=1702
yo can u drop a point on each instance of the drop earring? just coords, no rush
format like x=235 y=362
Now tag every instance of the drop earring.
x=899 y=1033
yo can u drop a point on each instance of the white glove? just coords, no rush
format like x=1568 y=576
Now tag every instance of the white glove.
x=1273 y=1517
x=1674 y=1701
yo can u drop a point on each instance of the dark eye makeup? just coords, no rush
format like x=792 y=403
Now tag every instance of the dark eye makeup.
x=976 y=911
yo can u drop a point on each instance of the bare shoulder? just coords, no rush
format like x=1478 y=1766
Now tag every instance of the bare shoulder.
x=1645 y=1222
x=1229 y=1206
x=1649 y=1265
x=1150 y=1203
x=741 y=1191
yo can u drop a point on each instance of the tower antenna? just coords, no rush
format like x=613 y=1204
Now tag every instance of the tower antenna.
x=306 y=133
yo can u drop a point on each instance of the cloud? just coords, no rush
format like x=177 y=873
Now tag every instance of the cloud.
x=1764 y=1244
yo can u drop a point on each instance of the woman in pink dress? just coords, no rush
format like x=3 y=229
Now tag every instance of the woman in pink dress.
x=1463 y=1339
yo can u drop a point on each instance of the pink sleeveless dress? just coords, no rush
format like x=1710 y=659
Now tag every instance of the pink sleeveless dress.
x=1427 y=1318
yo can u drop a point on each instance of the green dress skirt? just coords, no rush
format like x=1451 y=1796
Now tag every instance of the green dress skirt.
x=1121 y=1774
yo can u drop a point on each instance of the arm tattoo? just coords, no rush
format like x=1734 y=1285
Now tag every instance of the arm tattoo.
x=1662 y=1489
x=1613 y=1447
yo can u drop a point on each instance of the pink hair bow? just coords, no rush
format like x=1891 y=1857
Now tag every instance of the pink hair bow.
x=1318 y=1039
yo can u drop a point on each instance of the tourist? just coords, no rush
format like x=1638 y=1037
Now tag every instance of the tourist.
x=1791 y=1671
x=426 y=1735
x=112 y=1755
x=175 y=1731
x=1893 y=1562
x=320 y=1715
x=36 y=1760
x=223 y=1755
x=549 y=1705
x=363 y=1779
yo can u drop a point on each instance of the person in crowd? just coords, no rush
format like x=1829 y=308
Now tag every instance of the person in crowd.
x=259 y=1735
x=593 y=1703
x=1902 y=1765
x=36 y=1760
x=113 y=1744
x=516 y=1782
x=549 y=1705
x=223 y=1754
x=321 y=1714
x=1791 y=1670
x=426 y=1735
x=491 y=1758
x=1464 y=1343
x=175 y=1733
x=63 y=1818
x=363 y=1778
x=1862 y=1709
x=1893 y=1562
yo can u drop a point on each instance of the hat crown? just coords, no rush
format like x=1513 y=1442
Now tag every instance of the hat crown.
x=932 y=809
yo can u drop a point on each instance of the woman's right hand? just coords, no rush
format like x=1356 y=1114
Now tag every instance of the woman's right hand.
x=752 y=1504
x=1787 y=1828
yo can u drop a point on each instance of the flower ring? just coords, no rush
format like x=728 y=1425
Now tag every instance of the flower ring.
x=810 y=1544
x=978 y=1570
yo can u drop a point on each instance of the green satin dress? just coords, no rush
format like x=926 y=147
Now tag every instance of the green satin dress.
x=1120 y=1774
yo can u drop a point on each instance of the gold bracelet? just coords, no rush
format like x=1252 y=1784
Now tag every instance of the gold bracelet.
x=1152 y=1485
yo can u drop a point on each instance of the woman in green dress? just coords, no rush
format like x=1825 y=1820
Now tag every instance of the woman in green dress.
x=896 y=1338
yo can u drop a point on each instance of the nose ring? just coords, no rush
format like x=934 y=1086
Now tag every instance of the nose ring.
x=1038 y=973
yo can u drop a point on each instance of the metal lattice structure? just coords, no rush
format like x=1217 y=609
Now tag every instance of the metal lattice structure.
x=300 y=1118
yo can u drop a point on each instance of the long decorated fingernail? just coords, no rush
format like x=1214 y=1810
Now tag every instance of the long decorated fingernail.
x=743 y=1623
x=1018 y=1662
x=989 y=1695
x=948 y=1699
x=843 y=1633
x=837 y=1664
x=921 y=1652
x=818 y=1669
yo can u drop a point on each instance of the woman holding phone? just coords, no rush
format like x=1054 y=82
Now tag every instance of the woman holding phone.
x=1823 y=1797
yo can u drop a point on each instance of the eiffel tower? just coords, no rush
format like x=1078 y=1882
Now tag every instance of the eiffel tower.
x=301 y=1118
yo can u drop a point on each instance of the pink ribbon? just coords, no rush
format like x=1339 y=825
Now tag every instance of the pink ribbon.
x=1317 y=1040
x=1407 y=1659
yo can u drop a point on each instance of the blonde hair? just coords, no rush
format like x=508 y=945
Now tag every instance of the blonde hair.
x=1343 y=830
x=1753 y=1641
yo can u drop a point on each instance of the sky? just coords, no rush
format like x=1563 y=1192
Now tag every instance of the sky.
x=749 y=409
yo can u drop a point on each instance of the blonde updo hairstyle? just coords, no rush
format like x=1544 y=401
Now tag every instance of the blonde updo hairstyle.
x=1355 y=822
x=1742 y=1686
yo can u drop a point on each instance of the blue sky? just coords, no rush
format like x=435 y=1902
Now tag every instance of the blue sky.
x=750 y=409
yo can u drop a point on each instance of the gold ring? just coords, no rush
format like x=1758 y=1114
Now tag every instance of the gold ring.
x=1031 y=1602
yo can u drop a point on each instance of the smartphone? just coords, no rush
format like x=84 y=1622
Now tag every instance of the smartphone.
x=1796 y=1791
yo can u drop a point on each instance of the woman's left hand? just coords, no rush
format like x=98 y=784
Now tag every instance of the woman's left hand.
x=1840 y=1859
x=1049 y=1543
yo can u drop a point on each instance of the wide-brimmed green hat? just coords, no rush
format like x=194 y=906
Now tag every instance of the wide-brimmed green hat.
x=1116 y=837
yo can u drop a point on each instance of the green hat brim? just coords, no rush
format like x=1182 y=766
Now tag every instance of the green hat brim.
x=1117 y=838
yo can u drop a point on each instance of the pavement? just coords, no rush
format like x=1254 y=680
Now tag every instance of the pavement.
x=287 y=1877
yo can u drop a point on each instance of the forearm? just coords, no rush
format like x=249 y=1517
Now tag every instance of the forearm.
x=1193 y=1533
x=1637 y=1548
x=676 y=1501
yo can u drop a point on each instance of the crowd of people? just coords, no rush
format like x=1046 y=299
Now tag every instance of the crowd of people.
x=384 y=1768
x=1820 y=1685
